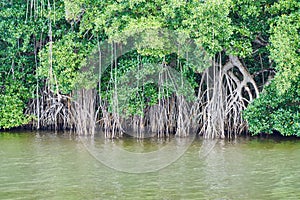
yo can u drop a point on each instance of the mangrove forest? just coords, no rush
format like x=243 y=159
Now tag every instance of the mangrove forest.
x=151 y=68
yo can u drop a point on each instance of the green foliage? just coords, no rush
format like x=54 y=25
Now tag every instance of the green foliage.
x=11 y=112
x=274 y=111
x=249 y=21
x=136 y=80
x=17 y=64
x=210 y=24
x=278 y=107
x=69 y=55
x=285 y=49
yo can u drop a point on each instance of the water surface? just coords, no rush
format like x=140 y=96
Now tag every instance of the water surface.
x=49 y=166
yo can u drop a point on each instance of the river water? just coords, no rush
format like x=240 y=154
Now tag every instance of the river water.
x=49 y=166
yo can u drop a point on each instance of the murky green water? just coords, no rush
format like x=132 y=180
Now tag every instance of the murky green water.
x=46 y=166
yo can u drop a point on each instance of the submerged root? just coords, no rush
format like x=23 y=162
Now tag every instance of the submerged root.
x=224 y=99
x=52 y=111
x=224 y=92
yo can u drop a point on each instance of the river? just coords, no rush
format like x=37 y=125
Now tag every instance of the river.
x=48 y=166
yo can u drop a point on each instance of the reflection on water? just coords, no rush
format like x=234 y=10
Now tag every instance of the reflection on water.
x=137 y=156
x=47 y=166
